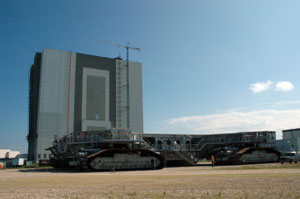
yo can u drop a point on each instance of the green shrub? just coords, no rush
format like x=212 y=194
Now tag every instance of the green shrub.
x=32 y=166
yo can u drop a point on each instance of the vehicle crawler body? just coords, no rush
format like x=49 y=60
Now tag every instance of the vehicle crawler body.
x=241 y=148
x=232 y=148
x=114 y=149
x=247 y=155
x=118 y=149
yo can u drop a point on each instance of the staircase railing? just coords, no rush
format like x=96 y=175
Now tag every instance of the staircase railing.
x=187 y=157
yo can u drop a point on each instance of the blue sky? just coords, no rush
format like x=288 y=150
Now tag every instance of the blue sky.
x=208 y=66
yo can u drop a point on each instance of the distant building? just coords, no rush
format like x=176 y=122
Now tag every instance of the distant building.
x=8 y=154
x=290 y=141
x=72 y=92
x=19 y=160
x=291 y=133
x=8 y=157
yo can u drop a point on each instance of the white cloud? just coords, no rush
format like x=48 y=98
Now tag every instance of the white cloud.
x=272 y=120
x=284 y=86
x=281 y=105
x=260 y=86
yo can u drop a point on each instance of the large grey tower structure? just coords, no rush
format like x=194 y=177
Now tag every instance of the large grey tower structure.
x=78 y=92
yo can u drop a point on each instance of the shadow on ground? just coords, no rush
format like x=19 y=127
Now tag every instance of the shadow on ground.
x=50 y=170
x=72 y=170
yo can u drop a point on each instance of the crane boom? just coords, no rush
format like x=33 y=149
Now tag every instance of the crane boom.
x=127 y=47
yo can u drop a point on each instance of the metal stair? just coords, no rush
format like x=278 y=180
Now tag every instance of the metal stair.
x=147 y=144
x=187 y=157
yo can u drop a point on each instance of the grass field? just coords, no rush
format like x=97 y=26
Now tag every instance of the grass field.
x=249 y=181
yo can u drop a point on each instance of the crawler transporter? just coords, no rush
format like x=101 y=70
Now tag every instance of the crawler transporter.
x=114 y=149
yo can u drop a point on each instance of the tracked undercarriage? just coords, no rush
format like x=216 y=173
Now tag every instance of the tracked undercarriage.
x=114 y=149
x=123 y=159
x=247 y=155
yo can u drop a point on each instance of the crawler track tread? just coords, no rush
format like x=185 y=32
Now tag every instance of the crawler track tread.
x=86 y=164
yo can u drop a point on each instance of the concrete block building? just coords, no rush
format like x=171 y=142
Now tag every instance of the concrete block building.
x=71 y=92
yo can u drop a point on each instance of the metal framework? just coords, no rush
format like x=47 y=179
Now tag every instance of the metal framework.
x=190 y=148
x=244 y=147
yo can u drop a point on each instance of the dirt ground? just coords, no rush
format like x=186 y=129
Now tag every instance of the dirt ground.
x=249 y=181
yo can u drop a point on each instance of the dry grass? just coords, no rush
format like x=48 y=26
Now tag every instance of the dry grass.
x=263 y=166
x=180 y=182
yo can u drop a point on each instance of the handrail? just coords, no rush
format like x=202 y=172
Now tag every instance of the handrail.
x=102 y=136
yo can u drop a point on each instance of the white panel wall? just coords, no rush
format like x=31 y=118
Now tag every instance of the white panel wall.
x=135 y=96
x=56 y=100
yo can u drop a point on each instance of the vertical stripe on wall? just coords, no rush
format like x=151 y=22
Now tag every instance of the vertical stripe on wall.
x=69 y=88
